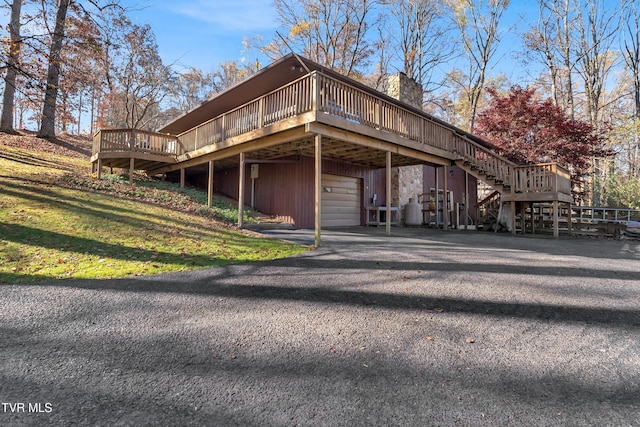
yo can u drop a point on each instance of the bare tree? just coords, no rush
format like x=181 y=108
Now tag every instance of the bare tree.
x=144 y=79
x=334 y=33
x=422 y=38
x=13 y=59
x=554 y=39
x=599 y=27
x=377 y=78
x=624 y=180
x=540 y=40
x=230 y=73
x=631 y=50
x=191 y=88
x=477 y=22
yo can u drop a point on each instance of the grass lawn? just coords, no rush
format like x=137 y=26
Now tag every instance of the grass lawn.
x=59 y=222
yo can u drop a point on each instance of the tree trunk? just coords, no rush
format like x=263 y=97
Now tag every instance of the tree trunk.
x=47 y=127
x=6 y=122
x=631 y=52
x=566 y=44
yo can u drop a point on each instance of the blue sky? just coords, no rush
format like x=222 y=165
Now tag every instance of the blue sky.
x=204 y=33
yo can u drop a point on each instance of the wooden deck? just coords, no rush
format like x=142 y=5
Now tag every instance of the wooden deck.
x=364 y=125
x=357 y=126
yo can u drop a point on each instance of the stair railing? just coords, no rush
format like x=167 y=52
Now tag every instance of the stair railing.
x=484 y=160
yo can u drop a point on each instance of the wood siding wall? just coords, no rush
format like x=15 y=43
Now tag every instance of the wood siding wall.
x=455 y=183
x=287 y=189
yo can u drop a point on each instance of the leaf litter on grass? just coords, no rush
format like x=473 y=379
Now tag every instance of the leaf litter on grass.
x=56 y=221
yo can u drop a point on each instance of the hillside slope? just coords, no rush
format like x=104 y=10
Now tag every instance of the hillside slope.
x=58 y=221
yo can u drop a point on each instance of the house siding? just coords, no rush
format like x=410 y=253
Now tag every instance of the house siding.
x=287 y=189
x=455 y=183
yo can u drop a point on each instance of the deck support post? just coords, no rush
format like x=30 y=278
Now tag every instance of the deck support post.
x=466 y=200
x=388 y=212
x=569 y=217
x=99 y=171
x=437 y=196
x=533 y=219
x=182 y=178
x=445 y=200
x=241 y=192
x=209 y=184
x=556 y=232
x=132 y=162
x=513 y=217
x=318 y=190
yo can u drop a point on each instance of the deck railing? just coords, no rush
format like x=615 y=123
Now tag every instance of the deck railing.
x=113 y=140
x=594 y=214
x=354 y=104
x=486 y=161
x=283 y=103
x=541 y=178
x=344 y=100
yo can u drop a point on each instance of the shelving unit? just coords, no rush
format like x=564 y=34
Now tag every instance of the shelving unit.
x=432 y=208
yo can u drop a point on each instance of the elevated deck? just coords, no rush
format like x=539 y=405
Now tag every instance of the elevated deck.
x=357 y=125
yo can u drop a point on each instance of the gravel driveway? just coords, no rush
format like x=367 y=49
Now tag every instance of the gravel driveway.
x=427 y=328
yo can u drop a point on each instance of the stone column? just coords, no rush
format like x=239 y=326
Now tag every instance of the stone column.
x=407 y=180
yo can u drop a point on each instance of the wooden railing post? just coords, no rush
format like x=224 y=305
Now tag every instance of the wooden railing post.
x=315 y=94
x=513 y=178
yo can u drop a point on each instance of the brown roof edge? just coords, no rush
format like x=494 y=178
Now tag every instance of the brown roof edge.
x=196 y=115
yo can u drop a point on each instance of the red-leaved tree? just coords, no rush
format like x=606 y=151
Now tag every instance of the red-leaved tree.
x=527 y=130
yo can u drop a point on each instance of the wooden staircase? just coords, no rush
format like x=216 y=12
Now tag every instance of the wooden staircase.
x=488 y=211
x=519 y=186
x=494 y=181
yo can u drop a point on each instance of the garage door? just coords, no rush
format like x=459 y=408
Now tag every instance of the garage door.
x=341 y=197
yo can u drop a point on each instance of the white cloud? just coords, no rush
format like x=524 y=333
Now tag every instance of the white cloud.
x=230 y=15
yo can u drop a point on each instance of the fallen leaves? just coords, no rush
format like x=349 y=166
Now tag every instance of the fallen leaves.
x=61 y=222
x=81 y=144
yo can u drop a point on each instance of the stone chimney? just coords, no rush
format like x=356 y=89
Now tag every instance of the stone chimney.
x=405 y=89
x=407 y=181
